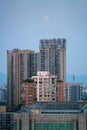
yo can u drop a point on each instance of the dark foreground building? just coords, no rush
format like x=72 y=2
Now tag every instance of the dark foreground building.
x=6 y=121
x=47 y=116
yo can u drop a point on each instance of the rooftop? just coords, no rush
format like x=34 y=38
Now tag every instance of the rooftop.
x=53 y=42
x=57 y=107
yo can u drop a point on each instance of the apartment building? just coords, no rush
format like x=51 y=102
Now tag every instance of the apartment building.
x=27 y=92
x=53 y=57
x=73 y=92
x=45 y=86
x=21 y=64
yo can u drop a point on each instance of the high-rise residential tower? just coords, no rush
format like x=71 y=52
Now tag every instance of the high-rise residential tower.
x=53 y=57
x=21 y=64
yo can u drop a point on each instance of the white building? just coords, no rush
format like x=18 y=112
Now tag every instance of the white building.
x=45 y=86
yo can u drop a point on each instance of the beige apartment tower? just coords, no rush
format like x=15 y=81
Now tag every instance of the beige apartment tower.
x=53 y=57
x=21 y=64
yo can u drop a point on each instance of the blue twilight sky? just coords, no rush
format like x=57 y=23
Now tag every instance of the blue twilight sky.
x=24 y=22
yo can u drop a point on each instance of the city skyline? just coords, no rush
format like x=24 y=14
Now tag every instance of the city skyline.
x=24 y=23
x=23 y=64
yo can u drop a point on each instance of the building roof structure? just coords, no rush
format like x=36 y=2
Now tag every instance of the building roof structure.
x=56 y=107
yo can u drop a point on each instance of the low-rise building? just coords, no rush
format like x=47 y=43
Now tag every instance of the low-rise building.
x=47 y=116
x=3 y=106
x=52 y=116
x=6 y=121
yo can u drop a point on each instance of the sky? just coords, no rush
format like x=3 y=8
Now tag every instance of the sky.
x=24 y=22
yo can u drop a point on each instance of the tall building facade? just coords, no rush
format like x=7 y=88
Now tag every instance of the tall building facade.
x=73 y=92
x=21 y=64
x=53 y=57
x=45 y=86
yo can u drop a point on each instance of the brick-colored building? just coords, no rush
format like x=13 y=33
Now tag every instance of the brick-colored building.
x=60 y=91
x=27 y=92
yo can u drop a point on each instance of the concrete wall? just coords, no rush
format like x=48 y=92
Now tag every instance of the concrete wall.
x=73 y=119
